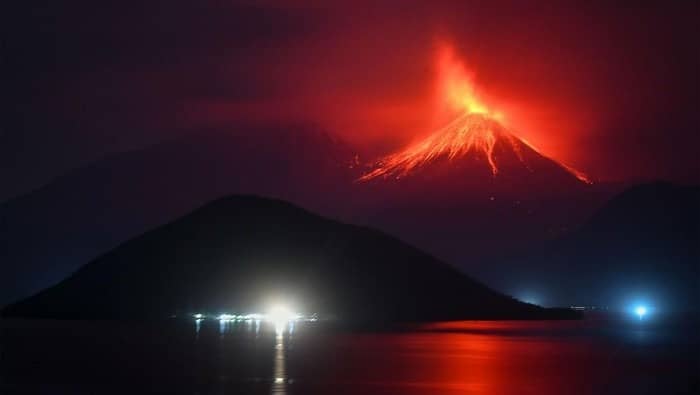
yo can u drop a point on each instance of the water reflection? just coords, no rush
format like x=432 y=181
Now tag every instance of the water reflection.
x=252 y=335
x=279 y=383
x=539 y=358
x=223 y=326
x=565 y=357
x=197 y=329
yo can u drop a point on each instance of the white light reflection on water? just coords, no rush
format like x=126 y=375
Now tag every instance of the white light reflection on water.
x=222 y=328
x=279 y=378
x=197 y=328
x=282 y=331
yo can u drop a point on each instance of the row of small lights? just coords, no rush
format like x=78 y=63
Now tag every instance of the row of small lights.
x=231 y=317
x=277 y=315
x=280 y=315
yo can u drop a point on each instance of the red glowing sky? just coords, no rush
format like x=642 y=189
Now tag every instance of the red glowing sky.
x=587 y=85
x=611 y=90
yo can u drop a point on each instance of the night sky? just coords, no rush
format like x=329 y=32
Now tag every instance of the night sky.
x=609 y=89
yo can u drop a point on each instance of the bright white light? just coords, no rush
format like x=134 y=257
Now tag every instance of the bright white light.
x=280 y=316
x=641 y=311
x=226 y=317
x=198 y=316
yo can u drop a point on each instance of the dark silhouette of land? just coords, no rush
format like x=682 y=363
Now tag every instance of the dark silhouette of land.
x=645 y=239
x=48 y=233
x=241 y=252
x=469 y=213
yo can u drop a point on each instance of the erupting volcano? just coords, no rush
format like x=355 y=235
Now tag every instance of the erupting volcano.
x=477 y=133
x=469 y=134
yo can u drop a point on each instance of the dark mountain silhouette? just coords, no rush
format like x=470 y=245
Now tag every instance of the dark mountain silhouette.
x=643 y=243
x=237 y=252
x=48 y=233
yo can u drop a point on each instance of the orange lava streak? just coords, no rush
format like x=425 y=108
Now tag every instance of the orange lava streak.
x=469 y=132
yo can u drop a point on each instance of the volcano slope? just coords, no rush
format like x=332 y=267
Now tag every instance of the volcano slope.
x=473 y=189
x=477 y=150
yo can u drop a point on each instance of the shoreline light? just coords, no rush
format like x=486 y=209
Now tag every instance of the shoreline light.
x=281 y=315
x=640 y=311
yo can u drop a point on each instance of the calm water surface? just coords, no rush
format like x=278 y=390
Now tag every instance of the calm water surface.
x=594 y=356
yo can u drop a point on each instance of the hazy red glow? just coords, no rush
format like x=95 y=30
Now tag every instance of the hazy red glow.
x=456 y=85
x=477 y=127
x=590 y=84
x=472 y=358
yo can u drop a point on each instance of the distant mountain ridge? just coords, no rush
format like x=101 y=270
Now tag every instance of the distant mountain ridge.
x=238 y=252
x=643 y=244
x=51 y=231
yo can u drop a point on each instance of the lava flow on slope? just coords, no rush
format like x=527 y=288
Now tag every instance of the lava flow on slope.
x=476 y=130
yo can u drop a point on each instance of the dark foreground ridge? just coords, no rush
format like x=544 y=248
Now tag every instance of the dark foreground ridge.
x=242 y=252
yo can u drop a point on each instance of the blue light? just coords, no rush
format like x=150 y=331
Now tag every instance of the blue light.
x=641 y=311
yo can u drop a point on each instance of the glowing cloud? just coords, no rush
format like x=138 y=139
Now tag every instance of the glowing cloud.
x=456 y=84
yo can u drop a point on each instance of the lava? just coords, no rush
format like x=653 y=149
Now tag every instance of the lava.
x=476 y=129
x=470 y=131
